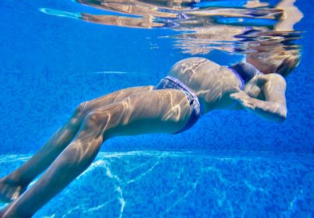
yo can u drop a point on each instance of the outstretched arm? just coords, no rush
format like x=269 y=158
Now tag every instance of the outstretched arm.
x=274 y=107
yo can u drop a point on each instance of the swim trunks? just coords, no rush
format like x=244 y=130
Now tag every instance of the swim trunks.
x=170 y=82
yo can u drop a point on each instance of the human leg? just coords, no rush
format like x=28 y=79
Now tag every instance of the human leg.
x=164 y=111
x=14 y=184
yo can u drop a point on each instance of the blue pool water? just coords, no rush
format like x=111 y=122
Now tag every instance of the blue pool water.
x=230 y=164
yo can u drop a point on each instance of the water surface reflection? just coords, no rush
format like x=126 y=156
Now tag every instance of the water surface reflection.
x=243 y=26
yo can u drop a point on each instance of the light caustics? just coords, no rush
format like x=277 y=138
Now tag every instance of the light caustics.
x=245 y=26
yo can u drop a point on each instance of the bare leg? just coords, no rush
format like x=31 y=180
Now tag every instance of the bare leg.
x=13 y=185
x=147 y=112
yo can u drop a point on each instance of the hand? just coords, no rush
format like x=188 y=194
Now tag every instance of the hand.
x=244 y=99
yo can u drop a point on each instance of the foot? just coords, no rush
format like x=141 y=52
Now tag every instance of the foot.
x=9 y=191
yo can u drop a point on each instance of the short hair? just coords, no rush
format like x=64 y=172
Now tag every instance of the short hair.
x=282 y=62
x=275 y=52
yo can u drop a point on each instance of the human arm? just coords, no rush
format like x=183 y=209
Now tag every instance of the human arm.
x=273 y=87
x=292 y=15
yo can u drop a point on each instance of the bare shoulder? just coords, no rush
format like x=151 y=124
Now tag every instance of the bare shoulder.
x=261 y=84
x=271 y=79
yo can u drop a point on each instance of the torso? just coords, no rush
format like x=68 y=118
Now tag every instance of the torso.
x=211 y=82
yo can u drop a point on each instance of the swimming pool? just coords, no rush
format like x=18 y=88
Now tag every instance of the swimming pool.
x=230 y=164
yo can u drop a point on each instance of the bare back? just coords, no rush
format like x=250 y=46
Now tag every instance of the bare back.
x=211 y=82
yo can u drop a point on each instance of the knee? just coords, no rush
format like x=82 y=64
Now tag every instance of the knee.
x=81 y=110
x=79 y=113
x=106 y=119
x=96 y=119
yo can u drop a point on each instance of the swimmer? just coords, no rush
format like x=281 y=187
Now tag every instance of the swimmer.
x=193 y=87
